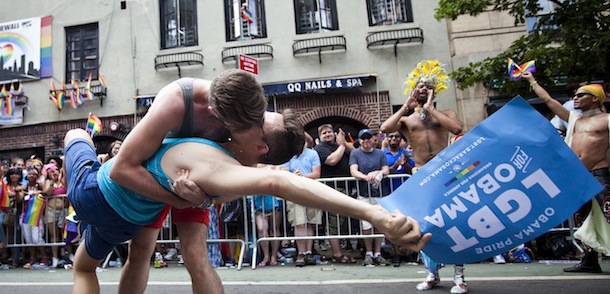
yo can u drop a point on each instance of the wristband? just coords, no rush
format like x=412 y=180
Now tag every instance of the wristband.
x=533 y=83
x=207 y=203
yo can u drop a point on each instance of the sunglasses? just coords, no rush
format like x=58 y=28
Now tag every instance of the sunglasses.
x=393 y=136
x=580 y=95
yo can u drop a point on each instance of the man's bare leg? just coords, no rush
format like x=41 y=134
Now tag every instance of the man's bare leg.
x=193 y=245
x=85 y=277
x=135 y=273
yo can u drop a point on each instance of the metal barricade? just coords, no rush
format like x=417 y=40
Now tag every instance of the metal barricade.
x=16 y=239
x=346 y=185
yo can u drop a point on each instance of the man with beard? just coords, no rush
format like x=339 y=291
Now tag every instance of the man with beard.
x=427 y=130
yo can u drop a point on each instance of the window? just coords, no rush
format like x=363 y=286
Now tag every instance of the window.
x=313 y=16
x=178 y=23
x=389 y=12
x=245 y=19
x=82 y=43
x=531 y=22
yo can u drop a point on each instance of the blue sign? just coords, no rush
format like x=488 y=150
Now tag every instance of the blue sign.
x=315 y=85
x=506 y=182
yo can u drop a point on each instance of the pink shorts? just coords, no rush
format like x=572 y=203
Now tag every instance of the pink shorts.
x=192 y=214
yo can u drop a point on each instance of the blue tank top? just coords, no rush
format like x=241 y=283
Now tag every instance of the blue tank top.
x=131 y=206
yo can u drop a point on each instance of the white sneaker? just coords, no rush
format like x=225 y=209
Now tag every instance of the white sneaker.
x=170 y=254
x=499 y=259
x=54 y=262
x=180 y=260
x=460 y=285
x=431 y=281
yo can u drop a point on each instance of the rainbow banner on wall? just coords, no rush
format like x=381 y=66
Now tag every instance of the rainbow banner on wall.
x=502 y=184
x=20 y=50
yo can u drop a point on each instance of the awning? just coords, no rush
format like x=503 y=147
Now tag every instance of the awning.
x=314 y=85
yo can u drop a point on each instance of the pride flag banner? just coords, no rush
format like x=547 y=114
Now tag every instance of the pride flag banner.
x=94 y=125
x=504 y=183
x=34 y=207
x=515 y=71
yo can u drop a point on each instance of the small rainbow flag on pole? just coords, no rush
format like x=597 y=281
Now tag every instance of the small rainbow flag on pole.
x=102 y=83
x=515 y=71
x=34 y=208
x=246 y=14
x=76 y=96
x=9 y=104
x=3 y=92
x=88 y=93
x=94 y=125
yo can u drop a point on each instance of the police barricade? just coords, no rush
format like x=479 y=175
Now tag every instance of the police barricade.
x=331 y=223
x=45 y=221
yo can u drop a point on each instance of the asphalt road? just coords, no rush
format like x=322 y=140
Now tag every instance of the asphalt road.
x=538 y=277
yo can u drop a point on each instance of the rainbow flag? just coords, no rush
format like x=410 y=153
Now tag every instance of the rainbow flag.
x=94 y=125
x=53 y=95
x=5 y=201
x=76 y=97
x=3 y=92
x=102 y=83
x=247 y=15
x=9 y=104
x=515 y=71
x=88 y=93
x=16 y=92
x=32 y=213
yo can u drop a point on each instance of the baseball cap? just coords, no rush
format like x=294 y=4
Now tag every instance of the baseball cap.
x=365 y=133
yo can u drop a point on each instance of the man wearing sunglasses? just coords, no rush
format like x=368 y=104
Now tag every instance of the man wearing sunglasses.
x=587 y=135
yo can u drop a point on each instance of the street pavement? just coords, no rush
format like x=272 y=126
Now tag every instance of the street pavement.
x=537 y=277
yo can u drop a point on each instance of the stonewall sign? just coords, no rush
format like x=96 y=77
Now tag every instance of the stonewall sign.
x=506 y=182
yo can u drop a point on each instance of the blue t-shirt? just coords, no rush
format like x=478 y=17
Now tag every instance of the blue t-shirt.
x=368 y=162
x=306 y=161
x=131 y=206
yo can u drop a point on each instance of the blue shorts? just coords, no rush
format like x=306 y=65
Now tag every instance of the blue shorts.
x=104 y=228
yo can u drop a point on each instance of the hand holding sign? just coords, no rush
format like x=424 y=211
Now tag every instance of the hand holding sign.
x=486 y=193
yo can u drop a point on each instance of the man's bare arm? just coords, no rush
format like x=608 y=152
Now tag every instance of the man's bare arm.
x=399 y=229
x=553 y=104
x=141 y=143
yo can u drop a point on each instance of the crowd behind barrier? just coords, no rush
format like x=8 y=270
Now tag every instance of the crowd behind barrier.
x=245 y=227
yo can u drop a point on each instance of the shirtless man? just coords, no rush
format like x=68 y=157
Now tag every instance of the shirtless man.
x=113 y=214
x=222 y=110
x=587 y=135
x=427 y=130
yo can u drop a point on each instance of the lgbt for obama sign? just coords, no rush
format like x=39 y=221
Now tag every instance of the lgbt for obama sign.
x=507 y=181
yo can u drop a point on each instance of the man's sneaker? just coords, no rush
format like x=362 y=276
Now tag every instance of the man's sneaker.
x=300 y=262
x=309 y=259
x=54 y=262
x=379 y=260
x=460 y=285
x=396 y=260
x=368 y=260
x=584 y=268
x=431 y=281
x=230 y=262
x=180 y=260
x=170 y=254
x=499 y=259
